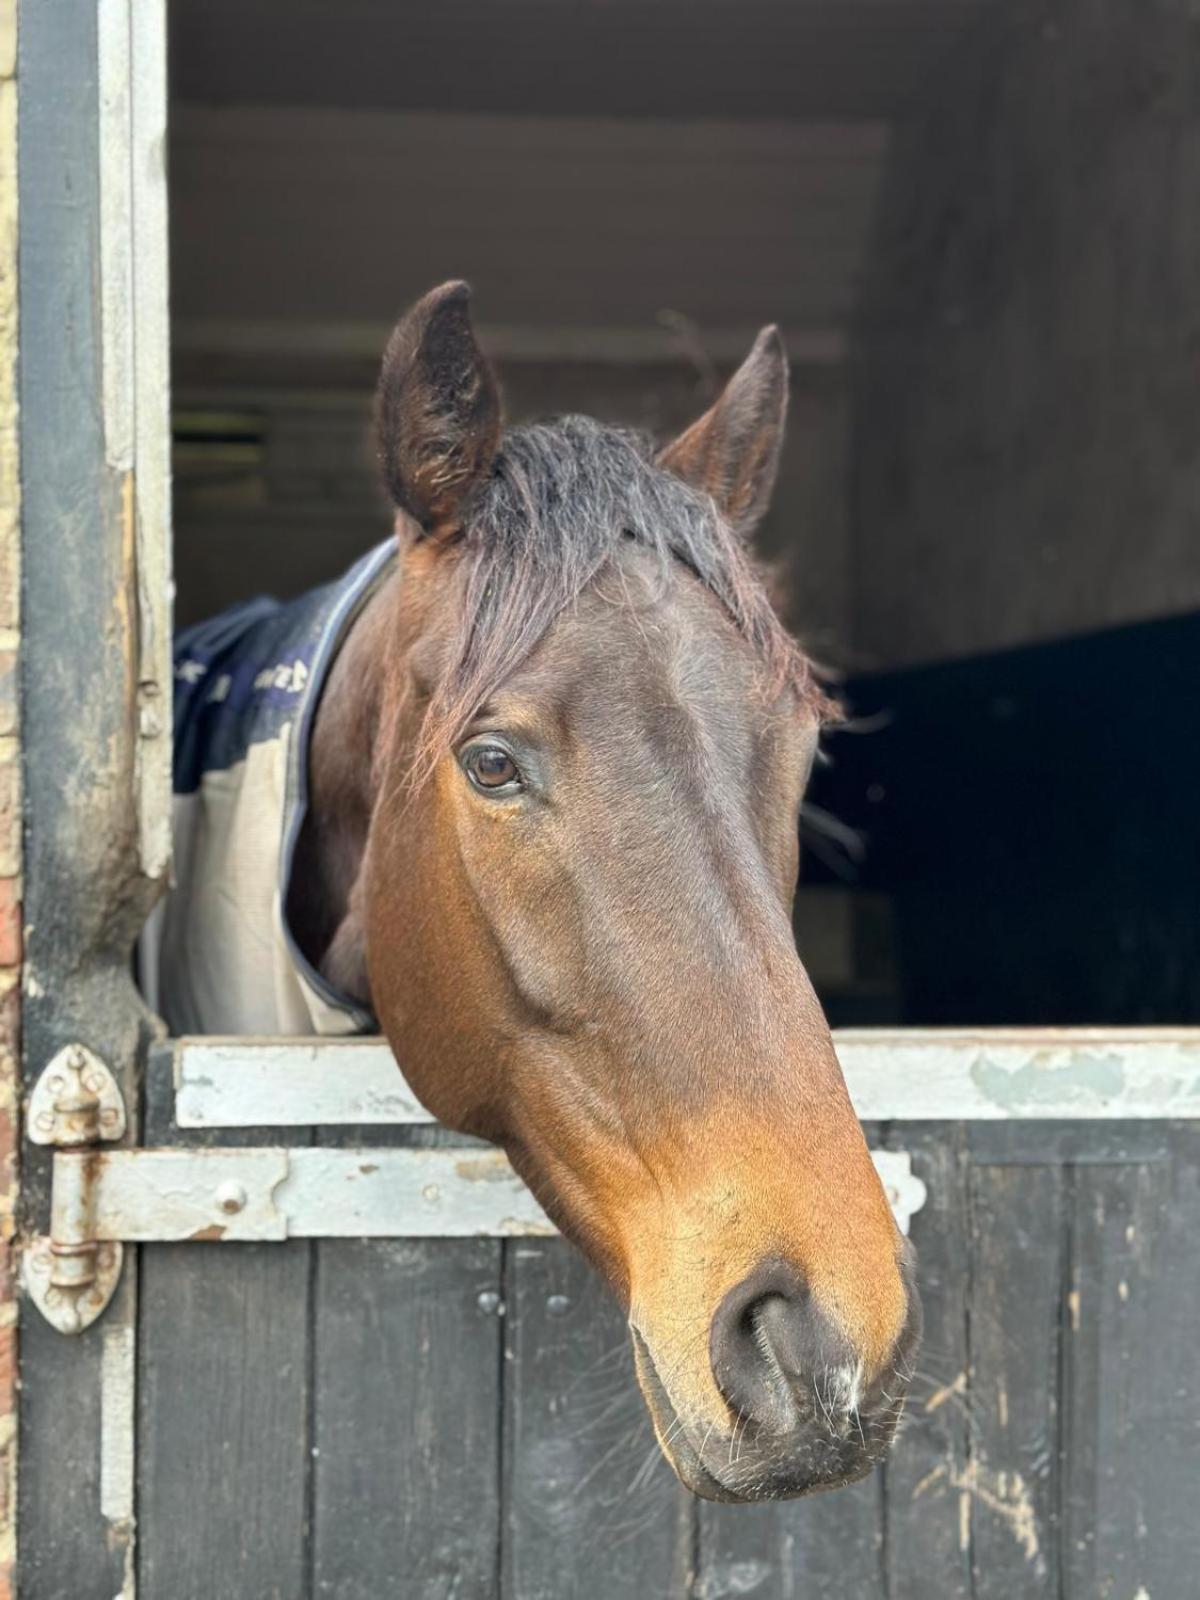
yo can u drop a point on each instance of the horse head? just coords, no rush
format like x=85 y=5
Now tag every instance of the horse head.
x=591 y=741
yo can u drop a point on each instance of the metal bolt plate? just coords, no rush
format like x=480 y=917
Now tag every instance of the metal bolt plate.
x=75 y=1101
x=70 y=1309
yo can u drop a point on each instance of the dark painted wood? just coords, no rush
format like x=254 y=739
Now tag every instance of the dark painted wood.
x=223 y=1421
x=591 y=1510
x=466 y=1446
x=830 y=1545
x=1131 y=1379
x=925 y=1550
x=224 y=1404
x=1017 y=1237
x=406 y=1423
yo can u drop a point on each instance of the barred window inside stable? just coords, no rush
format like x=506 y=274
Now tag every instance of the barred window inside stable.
x=977 y=531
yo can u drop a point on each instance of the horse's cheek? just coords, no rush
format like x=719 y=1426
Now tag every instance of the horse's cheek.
x=435 y=991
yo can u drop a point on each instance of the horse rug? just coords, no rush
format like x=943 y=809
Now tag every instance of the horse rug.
x=218 y=955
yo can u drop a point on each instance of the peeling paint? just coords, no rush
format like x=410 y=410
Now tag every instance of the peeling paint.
x=733 y=1578
x=1085 y=1079
x=490 y=1168
x=934 y=1475
x=939 y=1397
x=1007 y=1495
x=519 y=1225
x=117 y=1424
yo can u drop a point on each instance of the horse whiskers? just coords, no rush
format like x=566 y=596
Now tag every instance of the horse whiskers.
x=733 y=1436
x=825 y=1412
x=857 y=1415
x=645 y=1471
x=622 y=1444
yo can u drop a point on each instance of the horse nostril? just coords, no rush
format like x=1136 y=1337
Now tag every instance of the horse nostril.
x=767 y=1338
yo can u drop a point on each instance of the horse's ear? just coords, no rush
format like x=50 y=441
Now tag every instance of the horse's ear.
x=732 y=451
x=437 y=409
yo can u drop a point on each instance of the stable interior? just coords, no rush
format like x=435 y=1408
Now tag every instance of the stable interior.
x=974 y=226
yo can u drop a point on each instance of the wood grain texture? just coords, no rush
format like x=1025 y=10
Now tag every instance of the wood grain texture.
x=591 y=1510
x=1131 y=1379
x=406 y=1420
x=831 y=1545
x=926 y=1551
x=223 y=1408
x=406 y=1413
x=224 y=1400
x=1012 y=1477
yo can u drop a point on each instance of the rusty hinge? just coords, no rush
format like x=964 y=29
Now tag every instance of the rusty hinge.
x=76 y=1104
x=102 y=1199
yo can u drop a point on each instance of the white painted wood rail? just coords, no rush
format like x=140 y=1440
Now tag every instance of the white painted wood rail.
x=910 y=1075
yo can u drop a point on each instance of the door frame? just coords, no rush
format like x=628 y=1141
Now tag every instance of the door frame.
x=95 y=689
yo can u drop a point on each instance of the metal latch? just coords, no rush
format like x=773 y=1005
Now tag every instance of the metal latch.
x=69 y=1273
x=102 y=1199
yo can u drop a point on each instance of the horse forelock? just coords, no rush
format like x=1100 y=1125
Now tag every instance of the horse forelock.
x=561 y=498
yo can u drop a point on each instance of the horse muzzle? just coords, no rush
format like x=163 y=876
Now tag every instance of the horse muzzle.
x=800 y=1411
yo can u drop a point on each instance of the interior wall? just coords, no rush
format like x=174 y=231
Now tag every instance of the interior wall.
x=276 y=488
x=1026 y=455
x=621 y=264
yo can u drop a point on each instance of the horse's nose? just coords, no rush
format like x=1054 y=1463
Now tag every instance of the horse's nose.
x=772 y=1349
x=795 y=1383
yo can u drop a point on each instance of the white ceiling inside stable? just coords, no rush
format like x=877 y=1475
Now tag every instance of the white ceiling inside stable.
x=599 y=168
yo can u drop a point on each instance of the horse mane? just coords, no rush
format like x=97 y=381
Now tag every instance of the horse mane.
x=561 y=497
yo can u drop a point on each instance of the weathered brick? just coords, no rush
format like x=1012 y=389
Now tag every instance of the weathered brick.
x=10 y=809
x=10 y=922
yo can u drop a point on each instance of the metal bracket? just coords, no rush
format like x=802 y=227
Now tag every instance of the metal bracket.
x=906 y=1192
x=71 y=1287
x=103 y=1199
x=270 y=1193
x=76 y=1101
x=70 y=1273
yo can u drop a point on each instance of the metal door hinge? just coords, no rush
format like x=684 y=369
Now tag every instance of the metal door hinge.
x=75 y=1101
x=70 y=1273
x=102 y=1199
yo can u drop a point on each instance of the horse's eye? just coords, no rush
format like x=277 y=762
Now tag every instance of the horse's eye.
x=490 y=767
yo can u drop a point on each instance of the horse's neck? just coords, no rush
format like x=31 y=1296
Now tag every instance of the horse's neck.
x=324 y=897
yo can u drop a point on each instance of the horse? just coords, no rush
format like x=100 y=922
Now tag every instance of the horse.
x=550 y=766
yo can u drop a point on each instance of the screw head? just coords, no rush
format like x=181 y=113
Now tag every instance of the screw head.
x=558 y=1305
x=231 y=1196
x=489 y=1302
